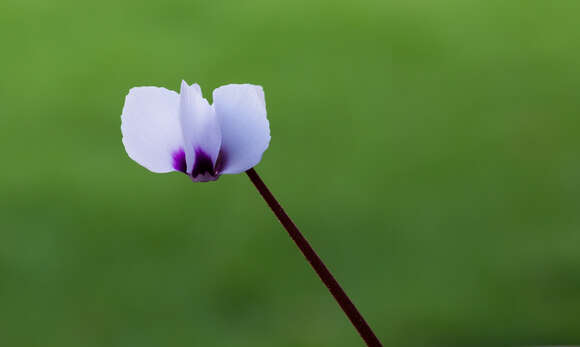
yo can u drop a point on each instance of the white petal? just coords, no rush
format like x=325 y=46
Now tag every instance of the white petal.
x=150 y=127
x=200 y=126
x=241 y=110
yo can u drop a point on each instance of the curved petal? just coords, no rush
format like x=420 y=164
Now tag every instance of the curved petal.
x=151 y=130
x=201 y=130
x=241 y=110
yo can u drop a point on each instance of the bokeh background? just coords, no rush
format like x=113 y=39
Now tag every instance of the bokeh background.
x=428 y=149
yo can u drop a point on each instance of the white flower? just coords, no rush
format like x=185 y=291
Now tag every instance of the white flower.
x=165 y=131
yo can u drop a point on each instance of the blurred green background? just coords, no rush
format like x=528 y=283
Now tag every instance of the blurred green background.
x=428 y=149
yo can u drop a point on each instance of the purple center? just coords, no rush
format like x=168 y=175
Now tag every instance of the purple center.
x=203 y=167
x=203 y=164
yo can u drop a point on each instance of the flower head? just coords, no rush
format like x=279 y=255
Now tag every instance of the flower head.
x=165 y=131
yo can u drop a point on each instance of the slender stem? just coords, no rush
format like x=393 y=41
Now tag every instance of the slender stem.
x=343 y=300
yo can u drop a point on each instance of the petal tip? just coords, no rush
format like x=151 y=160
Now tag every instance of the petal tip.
x=184 y=86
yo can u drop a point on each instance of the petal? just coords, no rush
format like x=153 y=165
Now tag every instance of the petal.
x=151 y=130
x=200 y=126
x=241 y=110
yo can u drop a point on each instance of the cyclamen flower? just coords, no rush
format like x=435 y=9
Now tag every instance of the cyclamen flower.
x=165 y=131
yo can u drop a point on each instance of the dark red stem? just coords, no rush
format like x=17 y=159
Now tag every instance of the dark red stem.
x=343 y=300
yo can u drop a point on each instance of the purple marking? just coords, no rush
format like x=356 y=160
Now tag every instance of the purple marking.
x=203 y=167
x=203 y=164
x=179 y=162
x=220 y=162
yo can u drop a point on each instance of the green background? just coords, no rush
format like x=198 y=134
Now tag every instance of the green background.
x=429 y=150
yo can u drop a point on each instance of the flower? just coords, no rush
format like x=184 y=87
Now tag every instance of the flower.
x=165 y=131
